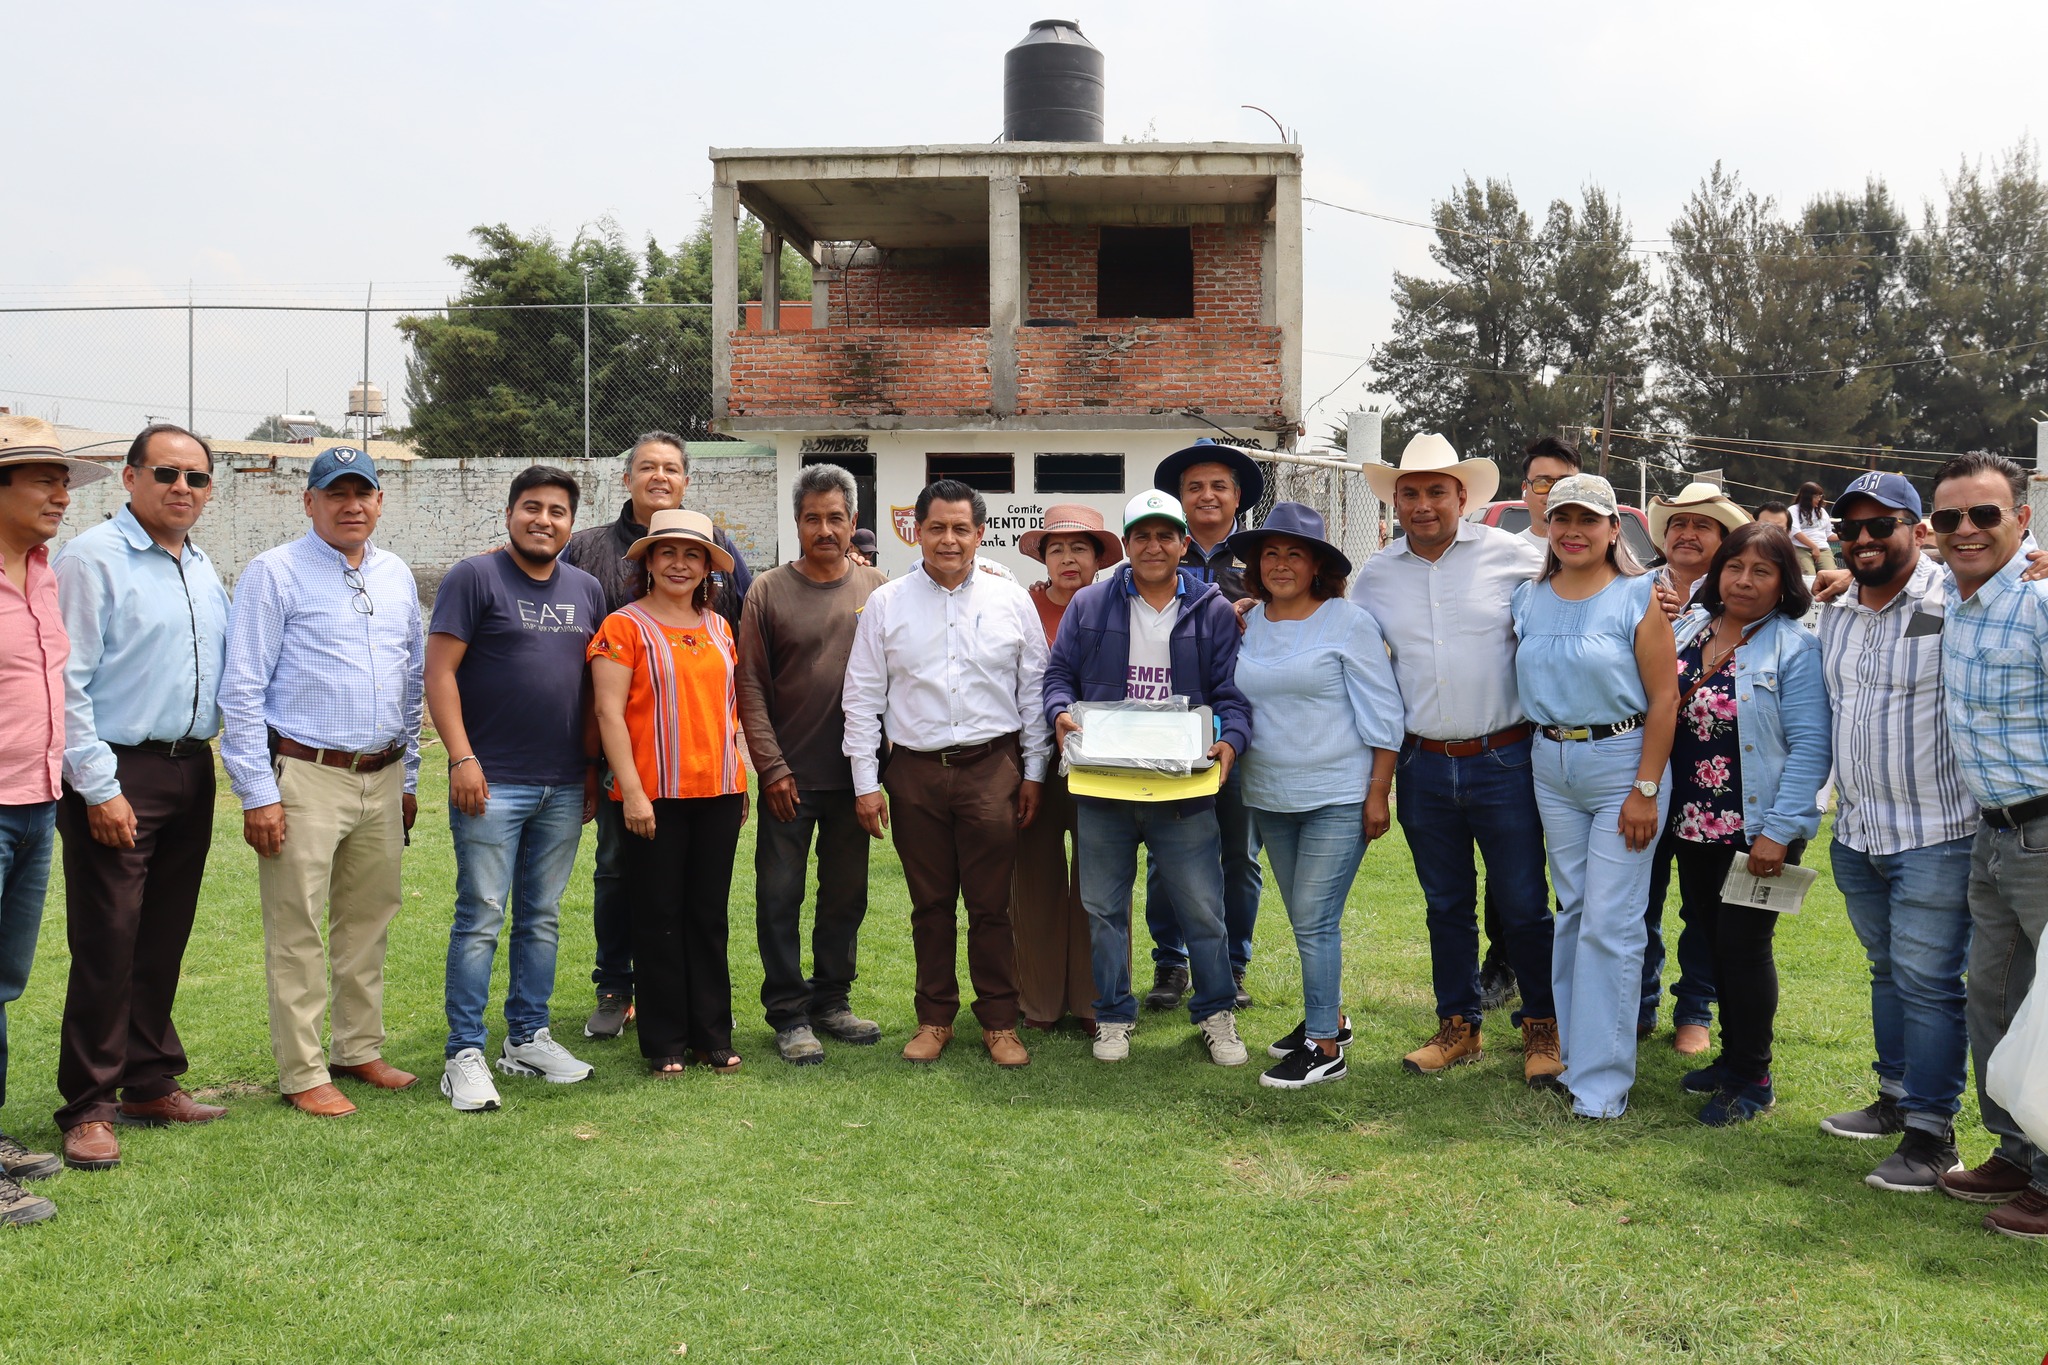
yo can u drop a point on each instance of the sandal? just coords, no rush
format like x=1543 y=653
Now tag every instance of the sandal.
x=667 y=1068
x=723 y=1060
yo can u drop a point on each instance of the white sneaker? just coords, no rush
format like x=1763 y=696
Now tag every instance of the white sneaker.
x=1219 y=1031
x=542 y=1056
x=466 y=1081
x=1113 y=1041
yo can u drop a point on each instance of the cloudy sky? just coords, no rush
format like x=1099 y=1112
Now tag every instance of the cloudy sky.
x=287 y=153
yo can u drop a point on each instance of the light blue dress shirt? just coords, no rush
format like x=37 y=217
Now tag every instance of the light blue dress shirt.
x=1994 y=673
x=307 y=660
x=148 y=637
x=1575 y=663
x=1323 y=696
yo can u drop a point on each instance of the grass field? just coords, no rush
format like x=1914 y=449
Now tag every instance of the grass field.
x=866 y=1210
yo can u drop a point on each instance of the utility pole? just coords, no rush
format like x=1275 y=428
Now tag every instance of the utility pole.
x=1606 y=425
x=369 y=293
x=586 y=362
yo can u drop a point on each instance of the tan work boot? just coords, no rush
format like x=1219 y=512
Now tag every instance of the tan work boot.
x=1455 y=1041
x=1690 y=1040
x=928 y=1042
x=1542 y=1063
x=1003 y=1047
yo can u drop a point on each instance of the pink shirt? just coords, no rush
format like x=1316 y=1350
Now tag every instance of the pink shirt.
x=33 y=648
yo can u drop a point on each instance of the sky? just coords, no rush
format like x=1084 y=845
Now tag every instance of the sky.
x=275 y=153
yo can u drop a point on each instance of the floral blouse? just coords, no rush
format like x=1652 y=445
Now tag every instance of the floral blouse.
x=1706 y=763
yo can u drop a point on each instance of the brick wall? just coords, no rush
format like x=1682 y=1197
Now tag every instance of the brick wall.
x=1146 y=366
x=1061 y=264
x=954 y=294
x=866 y=371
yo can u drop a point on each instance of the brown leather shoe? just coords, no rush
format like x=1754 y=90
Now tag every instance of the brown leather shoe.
x=1993 y=1181
x=176 y=1107
x=1542 y=1063
x=1455 y=1041
x=1690 y=1040
x=2024 y=1215
x=92 y=1147
x=928 y=1042
x=377 y=1072
x=322 y=1102
x=1003 y=1047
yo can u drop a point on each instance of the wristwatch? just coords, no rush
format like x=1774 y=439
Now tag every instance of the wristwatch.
x=1648 y=789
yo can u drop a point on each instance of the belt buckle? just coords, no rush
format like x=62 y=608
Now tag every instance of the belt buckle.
x=354 y=762
x=1574 y=732
x=1632 y=723
x=945 y=757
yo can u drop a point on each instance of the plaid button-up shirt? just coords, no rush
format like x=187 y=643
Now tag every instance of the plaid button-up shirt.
x=1994 y=669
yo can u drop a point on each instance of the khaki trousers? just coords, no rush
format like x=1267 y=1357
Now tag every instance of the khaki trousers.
x=343 y=836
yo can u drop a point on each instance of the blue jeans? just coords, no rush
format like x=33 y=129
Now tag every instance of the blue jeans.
x=1241 y=887
x=1597 y=963
x=1911 y=911
x=521 y=850
x=1315 y=856
x=1694 y=989
x=1446 y=806
x=1187 y=851
x=28 y=834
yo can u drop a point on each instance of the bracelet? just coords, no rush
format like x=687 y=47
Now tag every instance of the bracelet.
x=1378 y=781
x=466 y=758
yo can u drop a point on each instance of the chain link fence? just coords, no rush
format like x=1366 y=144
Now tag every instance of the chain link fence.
x=1353 y=519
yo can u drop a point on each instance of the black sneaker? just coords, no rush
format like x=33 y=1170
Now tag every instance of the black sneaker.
x=1304 y=1067
x=1497 y=985
x=609 y=1019
x=1919 y=1163
x=19 y=1163
x=1169 y=985
x=1882 y=1117
x=1293 y=1042
x=1244 y=1000
x=1704 y=1081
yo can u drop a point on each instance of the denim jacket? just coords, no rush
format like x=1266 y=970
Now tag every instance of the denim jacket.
x=1782 y=719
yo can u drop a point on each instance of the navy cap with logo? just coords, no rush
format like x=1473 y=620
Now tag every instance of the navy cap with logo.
x=1892 y=490
x=337 y=461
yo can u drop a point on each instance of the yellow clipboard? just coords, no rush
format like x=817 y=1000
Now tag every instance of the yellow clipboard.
x=1134 y=785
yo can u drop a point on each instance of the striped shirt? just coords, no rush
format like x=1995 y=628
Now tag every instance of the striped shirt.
x=682 y=710
x=1898 y=784
x=1994 y=663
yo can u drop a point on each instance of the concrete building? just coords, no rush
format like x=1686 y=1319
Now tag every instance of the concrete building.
x=1044 y=320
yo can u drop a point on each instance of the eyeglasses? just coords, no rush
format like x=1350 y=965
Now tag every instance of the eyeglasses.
x=1984 y=516
x=361 y=601
x=164 y=474
x=1880 y=528
x=1542 y=483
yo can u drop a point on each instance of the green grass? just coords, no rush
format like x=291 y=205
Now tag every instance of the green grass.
x=865 y=1210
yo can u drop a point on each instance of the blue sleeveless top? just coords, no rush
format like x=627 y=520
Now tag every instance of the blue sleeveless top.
x=1575 y=663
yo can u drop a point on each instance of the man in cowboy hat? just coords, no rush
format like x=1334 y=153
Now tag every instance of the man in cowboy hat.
x=1443 y=594
x=322 y=696
x=1212 y=483
x=1688 y=529
x=36 y=479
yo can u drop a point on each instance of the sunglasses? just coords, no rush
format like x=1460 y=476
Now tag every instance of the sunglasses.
x=1543 y=483
x=1880 y=528
x=1985 y=515
x=165 y=475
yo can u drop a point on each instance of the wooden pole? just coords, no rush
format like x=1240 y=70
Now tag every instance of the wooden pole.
x=1606 y=425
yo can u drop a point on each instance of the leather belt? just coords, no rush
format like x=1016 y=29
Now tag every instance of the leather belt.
x=339 y=758
x=1467 y=748
x=1561 y=733
x=959 y=753
x=169 y=748
x=2012 y=817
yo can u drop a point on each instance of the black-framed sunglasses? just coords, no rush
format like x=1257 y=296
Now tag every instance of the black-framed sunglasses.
x=361 y=601
x=1880 y=528
x=1985 y=515
x=165 y=475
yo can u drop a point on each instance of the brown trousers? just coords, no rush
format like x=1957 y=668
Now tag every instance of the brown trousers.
x=955 y=829
x=1054 y=978
x=129 y=914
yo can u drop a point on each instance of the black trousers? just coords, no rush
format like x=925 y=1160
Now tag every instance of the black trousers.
x=782 y=854
x=129 y=914
x=678 y=883
x=1745 y=970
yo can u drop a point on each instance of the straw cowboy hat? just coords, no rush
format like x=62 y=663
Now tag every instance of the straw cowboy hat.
x=1071 y=519
x=1430 y=453
x=1704 y=498
x=31 y=440
x=680 y=524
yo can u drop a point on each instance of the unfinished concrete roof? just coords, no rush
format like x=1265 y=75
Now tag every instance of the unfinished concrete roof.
x=937 y=196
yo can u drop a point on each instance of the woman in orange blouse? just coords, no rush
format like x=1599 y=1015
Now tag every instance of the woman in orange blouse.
x=662 y=673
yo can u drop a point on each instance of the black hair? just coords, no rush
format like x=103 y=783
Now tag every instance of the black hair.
x=1984 y=462
x=1547 y=448
x=1326 y=583
x=1810 y=496
x=138 y=449
x=544 y=476
x=1777 y=505
x=1795 y=599
x=951 y=490
x=1618 y=554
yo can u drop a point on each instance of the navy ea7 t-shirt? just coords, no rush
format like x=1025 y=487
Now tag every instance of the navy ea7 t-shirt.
x=523 y=679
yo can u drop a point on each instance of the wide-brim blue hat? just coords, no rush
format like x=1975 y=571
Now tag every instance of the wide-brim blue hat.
x=1251 y=483
x=1289 y=519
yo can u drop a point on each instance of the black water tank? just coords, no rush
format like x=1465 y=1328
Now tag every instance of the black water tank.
x=1052 y=86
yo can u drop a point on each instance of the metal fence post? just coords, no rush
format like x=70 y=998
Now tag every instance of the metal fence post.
x=586 y=362
x=190 y=364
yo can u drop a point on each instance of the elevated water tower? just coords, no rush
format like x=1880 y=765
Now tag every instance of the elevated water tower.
x=366 y=401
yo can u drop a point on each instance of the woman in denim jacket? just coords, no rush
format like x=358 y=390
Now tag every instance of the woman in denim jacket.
x=1747 y=766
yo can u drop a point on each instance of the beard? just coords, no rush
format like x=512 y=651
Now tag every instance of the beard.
x=1896 y=560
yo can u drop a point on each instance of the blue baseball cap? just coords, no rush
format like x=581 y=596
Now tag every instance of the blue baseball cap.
x=336 y=461
x=1892 y=490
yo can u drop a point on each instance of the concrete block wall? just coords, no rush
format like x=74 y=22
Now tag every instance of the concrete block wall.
x=439 y=511
x=861 y=371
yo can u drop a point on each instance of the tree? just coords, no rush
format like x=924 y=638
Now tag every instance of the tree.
x=273 y=429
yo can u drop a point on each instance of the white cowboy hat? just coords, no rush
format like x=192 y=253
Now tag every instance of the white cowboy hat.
x=1699 y=496
x=1431 y=453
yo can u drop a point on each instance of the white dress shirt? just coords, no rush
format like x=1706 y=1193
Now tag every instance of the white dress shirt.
x=937 y=668
x=1450 y=628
